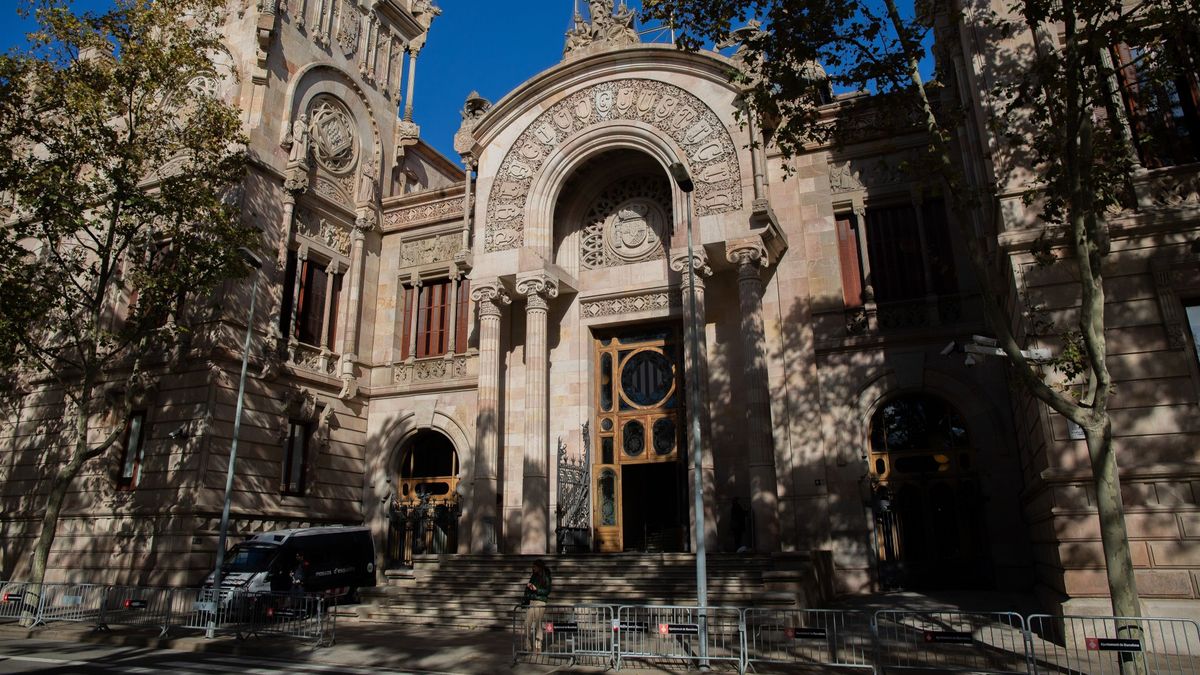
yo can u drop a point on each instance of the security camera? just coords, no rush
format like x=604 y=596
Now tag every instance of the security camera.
x=949 y=349
x=179 y=434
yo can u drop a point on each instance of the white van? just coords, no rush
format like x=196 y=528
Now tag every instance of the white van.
x=337 y=561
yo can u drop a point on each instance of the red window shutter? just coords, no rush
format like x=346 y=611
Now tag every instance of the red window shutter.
x=406 y=329
x=423 y=322
x=847 y=232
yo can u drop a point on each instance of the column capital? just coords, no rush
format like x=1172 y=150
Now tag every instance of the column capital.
x=364 y=223
x=537 y=287
x=747 y=252
x=679 y=261
x=490 y=296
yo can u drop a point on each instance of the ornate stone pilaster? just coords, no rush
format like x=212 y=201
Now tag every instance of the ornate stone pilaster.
x=697 y=397
x=490 y=297
x=751 y=256
x=362 y=225
x=538 y=290
x=412 y=78
x=415 y=283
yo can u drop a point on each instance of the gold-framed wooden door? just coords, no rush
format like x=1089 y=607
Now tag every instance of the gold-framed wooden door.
x=640 y=413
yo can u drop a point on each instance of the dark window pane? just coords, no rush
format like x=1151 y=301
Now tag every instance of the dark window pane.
x=633 y=439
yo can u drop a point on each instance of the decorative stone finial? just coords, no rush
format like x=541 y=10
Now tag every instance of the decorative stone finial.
x=605 y=30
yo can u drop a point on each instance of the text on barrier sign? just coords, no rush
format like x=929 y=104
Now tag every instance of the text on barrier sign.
x=806 y=633
x=948 y=637
x=135 y=604
x=1113 y=644
x=678 y=629
x=630 y=626
x=562 y=627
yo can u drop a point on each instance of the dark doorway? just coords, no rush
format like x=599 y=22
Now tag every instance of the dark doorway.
x=652 y=512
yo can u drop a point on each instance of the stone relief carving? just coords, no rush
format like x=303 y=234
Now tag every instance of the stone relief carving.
x=430 y=249
x=1175 y=189
x=323 y=230
x=337 y=192
x=627 y=223
x=605 y=29
x=851 y=175
x=625 y=305
x=445 y=208
x=711 y=153
x=350 y=24
x=333 y=136
x=298 y=137
x=430 y=370
x=474 y=108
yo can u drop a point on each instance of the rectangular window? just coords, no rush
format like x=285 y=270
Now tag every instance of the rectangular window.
x=289 y=287
x=133 y=452
x=311 y=312
x=295 y=454
x=1161 y=97
x=910 y=257
x=433 y=303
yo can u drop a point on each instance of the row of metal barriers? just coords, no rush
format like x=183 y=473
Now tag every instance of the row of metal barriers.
x=179 y=610
x=816 y=640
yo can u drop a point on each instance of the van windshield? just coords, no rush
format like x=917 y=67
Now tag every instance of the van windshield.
x=250 y=558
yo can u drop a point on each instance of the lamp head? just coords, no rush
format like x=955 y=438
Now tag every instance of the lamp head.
x=679 y=174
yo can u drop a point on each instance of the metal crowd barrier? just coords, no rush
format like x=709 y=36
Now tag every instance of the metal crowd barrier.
x=136 y=606
x=579 y=633
x=18 y=599
x=816 y=638
x=303 y=617
x=679 y=633
x=1104 y=645
x=952 y=641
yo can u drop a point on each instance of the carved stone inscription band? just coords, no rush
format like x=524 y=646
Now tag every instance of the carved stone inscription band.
x=711 y=153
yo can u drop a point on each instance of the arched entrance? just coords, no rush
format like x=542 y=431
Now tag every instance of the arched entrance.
x=424 y=515
x=638 y=468
x=925 y=496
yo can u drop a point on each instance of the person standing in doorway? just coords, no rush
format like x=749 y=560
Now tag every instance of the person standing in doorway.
x=537 y=593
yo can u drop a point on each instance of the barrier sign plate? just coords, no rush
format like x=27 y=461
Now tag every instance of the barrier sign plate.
x=949 y=637
x=135 y=604
x=806 y=633
x=204 y=606
x=562 y=627
x=678 y=629
x=1113 y=644
x=630 y=626
x=71 y=600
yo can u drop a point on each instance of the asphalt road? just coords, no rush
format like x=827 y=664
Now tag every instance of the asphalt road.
x=50 y=657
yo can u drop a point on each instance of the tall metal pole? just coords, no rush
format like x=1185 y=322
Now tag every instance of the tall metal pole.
x=256 y=263
x=684 y=181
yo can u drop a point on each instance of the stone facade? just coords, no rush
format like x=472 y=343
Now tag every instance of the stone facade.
x=478 y=307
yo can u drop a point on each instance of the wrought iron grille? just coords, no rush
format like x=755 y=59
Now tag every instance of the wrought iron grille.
x=574 y=497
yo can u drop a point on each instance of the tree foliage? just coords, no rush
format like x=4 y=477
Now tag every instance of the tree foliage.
x=116 y=163
x=1054 y=108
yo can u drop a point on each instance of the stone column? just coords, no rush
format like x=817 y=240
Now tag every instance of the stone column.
x=468 y=205
x=331 y=271
x=413 y=317
x=697 y=399
x=452 y=338
x=490 y=297
x=412 y=77
x=538 y=289
x=750 y=255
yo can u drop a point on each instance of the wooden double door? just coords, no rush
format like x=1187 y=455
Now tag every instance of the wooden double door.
x=638 y=465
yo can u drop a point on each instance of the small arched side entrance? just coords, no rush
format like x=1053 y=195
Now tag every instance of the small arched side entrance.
x=929 y=531
x=424 y=516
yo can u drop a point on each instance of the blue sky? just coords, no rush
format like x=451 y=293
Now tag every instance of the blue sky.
x=483 y=45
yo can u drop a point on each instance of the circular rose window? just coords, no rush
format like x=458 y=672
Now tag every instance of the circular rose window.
x=647 y=378
x=333 y=137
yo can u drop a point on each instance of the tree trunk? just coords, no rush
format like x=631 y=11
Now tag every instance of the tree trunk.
x=58 y=495
x=1122 y=585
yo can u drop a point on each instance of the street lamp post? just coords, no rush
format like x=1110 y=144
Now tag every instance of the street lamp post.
x=680 y=173
x=255 y=262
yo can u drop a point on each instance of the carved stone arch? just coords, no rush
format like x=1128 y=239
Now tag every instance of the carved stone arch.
x=979 y=414
x=318 y=79
x=673 y=115
x=547 y=185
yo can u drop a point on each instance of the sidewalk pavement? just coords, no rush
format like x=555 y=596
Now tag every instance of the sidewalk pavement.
x=358 y=644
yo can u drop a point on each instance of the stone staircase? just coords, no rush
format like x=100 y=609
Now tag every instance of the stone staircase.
x=479 y=591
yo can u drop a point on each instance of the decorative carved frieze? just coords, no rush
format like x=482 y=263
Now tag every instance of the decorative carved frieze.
x=855 y=175
x=443 y=209
x=349 y=26
x=626 y=305
x=430 y=370
x=323 y=230
x=711 y=153
x=430 y=249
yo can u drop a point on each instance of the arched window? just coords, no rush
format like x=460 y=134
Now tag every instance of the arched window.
x=918 y=434
x=428 y=466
